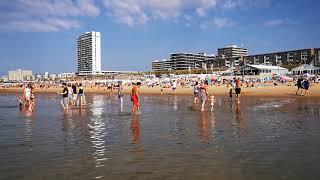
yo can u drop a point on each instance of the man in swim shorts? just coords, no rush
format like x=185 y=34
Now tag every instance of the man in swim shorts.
x=135 y=99
x=238 y=89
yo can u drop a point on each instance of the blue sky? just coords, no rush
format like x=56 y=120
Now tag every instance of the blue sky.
x=41 y=34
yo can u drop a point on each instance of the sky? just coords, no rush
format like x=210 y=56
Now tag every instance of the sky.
x=41 y=35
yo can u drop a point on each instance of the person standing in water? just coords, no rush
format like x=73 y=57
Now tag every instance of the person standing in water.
x=135 y=99
x=27 y=95
x=74 y=94
x=204 y=95
x=69 y=94
x=120 y=93
x=64 y=100
x=32 y=96
x=230 y=94
x=196 y=92
x=299 y=84
x=81 y=95
x=306 y=86
x=174 y=87
x=238 y=89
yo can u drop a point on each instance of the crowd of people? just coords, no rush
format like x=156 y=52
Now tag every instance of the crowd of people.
x=73 y=94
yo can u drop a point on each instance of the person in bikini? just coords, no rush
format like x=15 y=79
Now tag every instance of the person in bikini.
x=27 y=95
x=204 y=95
x=32 y=96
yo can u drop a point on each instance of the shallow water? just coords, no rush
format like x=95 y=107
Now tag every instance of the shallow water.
x=260 y=138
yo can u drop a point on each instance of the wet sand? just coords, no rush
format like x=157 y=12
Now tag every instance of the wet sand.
x=259 y=138
x=270 y=90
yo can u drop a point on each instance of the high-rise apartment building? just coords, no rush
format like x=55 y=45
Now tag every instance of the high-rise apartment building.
x=89 y=53
x=232 y=51
x=19 y=75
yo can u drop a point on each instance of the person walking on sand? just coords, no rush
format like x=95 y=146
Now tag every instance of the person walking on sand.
x=64 y=100
x=135 y=99
x=204 y=95
x=306 y=86
x=299 y=84
x=196 y=89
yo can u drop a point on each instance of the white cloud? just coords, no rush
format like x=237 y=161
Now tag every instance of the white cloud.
x=279 y=22
x=223 y=22
x=230 y=4
x=126 y=12
x=134 y=12
x=44 y=16
x=48 y=25
x=218 y=22
x=55 y=15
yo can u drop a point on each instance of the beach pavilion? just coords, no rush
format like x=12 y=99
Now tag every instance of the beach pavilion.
x=306 y=69
x=261 y=69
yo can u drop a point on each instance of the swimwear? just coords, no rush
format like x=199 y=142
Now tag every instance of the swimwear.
x=238 y=90
x=135 y=100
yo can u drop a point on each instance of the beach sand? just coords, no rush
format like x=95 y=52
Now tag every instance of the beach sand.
x=281 y=90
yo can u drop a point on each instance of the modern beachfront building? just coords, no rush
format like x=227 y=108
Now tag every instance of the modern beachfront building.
x=161 y=65
x=261 y=69
x=232 y=51
x=19 y=75
x=188 y=61
x=89 y=53
x=300 y=56
x=306 y=69
x=183 y=61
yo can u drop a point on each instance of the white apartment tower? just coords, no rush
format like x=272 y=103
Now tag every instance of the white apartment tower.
x=89 y=53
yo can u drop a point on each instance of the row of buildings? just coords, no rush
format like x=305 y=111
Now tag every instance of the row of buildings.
x=235 y=57
x=21 y=75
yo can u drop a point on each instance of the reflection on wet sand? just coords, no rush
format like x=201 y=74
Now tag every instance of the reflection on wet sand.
x=206 y=126
x=172 y=139
x=136 y=135
x=29 y=123
x=98 y=131
x=238 y=115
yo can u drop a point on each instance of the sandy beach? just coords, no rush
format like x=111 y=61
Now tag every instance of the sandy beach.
x=281 y=90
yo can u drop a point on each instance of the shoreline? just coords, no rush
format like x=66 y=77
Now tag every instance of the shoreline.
x=263 y=91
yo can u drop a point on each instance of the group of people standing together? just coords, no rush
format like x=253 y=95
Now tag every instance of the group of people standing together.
x=72 y=95
x=201 y=93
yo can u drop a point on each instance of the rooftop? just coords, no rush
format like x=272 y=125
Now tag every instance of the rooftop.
x=306 y=67
x=267 y=67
